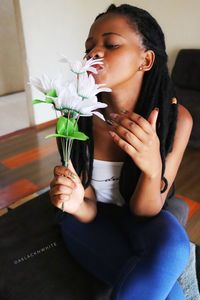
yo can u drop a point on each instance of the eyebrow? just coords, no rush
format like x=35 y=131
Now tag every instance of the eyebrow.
x=106 y=34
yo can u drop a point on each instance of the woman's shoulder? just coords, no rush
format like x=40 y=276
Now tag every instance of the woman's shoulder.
x=183 y=127
x=184 y=113
x=184 y=120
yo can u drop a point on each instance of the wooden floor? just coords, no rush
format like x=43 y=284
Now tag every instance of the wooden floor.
x=27 y=160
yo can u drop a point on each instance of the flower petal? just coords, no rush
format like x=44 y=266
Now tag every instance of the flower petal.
x=99 y=115
x=83 y=66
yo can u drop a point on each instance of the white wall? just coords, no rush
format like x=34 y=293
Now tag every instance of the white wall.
x=179 y=19
x=51 y=28
x=11 y=74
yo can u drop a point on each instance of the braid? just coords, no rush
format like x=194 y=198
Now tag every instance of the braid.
x=157 y=91
x=82 y=152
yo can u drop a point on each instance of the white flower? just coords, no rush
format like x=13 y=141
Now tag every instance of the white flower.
x=45 y=84
x=87 y=88
x=68 y=99
x=80 y=67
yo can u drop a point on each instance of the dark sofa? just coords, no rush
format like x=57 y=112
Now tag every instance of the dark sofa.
x=186 y=78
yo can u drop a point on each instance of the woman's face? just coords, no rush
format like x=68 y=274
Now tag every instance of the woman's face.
x=112 y=39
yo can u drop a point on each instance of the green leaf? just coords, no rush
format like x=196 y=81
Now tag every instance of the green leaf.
x=61 y=125
x=37 y=101
x=55 y=135
x=78 y=135
x=52 y=93
x=66 y=126
x=48 y=100
x=75 y=136
x=75 y=125
x=68 y=129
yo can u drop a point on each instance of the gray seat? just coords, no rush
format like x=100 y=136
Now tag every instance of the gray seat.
x=178 y=208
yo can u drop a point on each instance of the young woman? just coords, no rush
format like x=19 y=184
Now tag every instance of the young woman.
x=116 y=186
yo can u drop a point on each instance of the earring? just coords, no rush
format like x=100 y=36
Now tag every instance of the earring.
x=140 y=68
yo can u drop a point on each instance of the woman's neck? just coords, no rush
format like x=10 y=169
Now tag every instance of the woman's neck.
x=120 y=99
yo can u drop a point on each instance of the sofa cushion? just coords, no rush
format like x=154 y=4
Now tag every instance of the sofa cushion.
x=191 y=100
x=186 y=71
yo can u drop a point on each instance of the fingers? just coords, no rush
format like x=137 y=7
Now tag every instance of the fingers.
x=62 y=180
x=131 y=127
x=134 y=133
x=129 y=131
x=61 y=190
x=63 y=184
x=67 y=172
x=141 y=122
x=129 y=149
x=153 y=117
x=63 y=171
x=128 y=136
x=58 y=200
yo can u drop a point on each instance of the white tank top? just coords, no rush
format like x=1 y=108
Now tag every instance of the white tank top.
x=105 y=181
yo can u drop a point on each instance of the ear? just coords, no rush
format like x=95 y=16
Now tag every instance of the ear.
x=149 y=57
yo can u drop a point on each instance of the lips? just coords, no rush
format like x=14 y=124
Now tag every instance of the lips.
x=98 y=67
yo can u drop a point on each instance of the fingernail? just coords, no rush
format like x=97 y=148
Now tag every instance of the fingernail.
x=109 y=122
x=114 y=116
x=156 y=108
x=112 y=133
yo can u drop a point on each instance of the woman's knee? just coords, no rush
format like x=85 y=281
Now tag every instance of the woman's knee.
x=172 y=237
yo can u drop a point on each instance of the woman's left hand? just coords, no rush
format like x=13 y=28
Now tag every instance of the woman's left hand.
x=138 y=138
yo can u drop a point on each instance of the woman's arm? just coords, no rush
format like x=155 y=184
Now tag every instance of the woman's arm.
x=147 y=199
x=174 y=158
x=67 y=191
x=143 y=147
x=88 y=209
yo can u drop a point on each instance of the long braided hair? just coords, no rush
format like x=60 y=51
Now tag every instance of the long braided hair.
x=156 y=91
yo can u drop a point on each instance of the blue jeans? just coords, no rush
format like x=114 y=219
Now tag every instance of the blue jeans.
x=141 y=260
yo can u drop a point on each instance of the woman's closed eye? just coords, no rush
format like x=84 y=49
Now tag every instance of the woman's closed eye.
x=112 y=46
x=108 y=46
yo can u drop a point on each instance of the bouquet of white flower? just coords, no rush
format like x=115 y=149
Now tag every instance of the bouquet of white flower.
x=74 y=99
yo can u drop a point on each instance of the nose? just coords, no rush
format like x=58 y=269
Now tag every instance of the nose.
x=95 y=53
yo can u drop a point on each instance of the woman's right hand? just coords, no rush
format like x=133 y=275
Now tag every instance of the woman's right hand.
x=66 y=188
